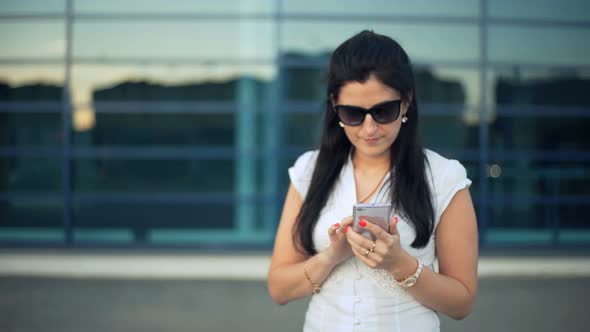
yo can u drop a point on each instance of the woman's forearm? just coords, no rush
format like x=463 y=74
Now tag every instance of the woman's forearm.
x=439 y=292
x=288 y=282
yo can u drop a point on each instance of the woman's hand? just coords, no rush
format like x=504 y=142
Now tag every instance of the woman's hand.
x=383 y=253
x=339 y=249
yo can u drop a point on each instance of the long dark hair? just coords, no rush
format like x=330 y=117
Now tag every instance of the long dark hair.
x=361 y=56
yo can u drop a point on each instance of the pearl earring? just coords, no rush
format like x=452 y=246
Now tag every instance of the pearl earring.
x=404 y=119
x=341 y=124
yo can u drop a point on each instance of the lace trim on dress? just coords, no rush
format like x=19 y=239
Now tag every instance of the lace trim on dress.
x=385 y=281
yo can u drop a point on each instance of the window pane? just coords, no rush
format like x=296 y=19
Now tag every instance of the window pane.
x=544 y=133
x=188 y=40
x=449 y=132
x=438 y=85
x=141 y=218
x=541 y=87
x=423 y=43
x=159 y=130
x=21 y=174
x=32 y=6
x=175 y=6
x=30 y=129
x=539 y=45
x=383 y=7
x=525 y=177
x=140 y=176
x=576 y=10
x=39 y=40
x=303 y=130
x=27 y=221
x=31 y=82
x=139 y=82
x=541 y=109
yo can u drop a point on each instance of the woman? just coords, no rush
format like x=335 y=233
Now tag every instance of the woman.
x=370 y=153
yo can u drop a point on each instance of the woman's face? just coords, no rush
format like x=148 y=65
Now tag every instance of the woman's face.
x=370 y=138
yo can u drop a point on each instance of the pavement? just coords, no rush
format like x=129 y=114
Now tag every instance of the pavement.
x=152 y=291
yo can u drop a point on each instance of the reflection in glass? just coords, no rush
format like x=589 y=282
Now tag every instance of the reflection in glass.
x=574 y=10
x=142 y=217
x=448 y=132
x=159 y=130
x=32 y=6
x=23 y=174
x=168 y=40
x=31 y=75
x=384 y=7
x=539 y=45
x=42 y=39
x=175 y=6
x=30 y=129
x=149 y=175
x=428 y=42
x=28 y=221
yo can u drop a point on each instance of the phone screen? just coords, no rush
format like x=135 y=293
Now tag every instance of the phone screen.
x=377 y=213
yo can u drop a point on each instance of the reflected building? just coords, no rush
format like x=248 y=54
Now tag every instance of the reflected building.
x=185 y=137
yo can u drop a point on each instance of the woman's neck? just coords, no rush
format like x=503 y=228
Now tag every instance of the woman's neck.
x=369 y=164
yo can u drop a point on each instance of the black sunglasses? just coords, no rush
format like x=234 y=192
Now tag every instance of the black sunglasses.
x=384 y=112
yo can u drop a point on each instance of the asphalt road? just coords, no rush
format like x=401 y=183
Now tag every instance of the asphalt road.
x=45 y=304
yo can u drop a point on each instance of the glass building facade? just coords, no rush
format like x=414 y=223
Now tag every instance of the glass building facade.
x=172 y=123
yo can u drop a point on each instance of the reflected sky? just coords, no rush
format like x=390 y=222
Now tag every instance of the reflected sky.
x=257 y=39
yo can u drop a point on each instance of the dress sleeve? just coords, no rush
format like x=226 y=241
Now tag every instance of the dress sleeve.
x=453 y=180
x=300 y=173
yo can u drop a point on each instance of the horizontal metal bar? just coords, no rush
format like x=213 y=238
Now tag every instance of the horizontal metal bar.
x=230 y=199
x=228 y=107
x=33 y=198
x=32 y=152
x=302 y=16
x=24 y=16
x=318 y=62
x=512 y=199
x=163 y=107
x=230 y=153
x=284 y=62
x=159 y=153
x=31 y=107
x=541 y=111
x=138 y=198
x=151 y=152
x=140 y=61
x=539 y=155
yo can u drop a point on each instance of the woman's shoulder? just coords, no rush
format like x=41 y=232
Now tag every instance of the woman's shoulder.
x=438 y=162
x=441 y=167
x=307 y=159
x=302 y=170
x=447 y=176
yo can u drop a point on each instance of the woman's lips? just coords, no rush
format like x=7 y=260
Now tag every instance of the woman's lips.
x=371 y=140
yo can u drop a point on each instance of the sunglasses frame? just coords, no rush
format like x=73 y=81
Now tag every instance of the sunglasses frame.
x=371 y=111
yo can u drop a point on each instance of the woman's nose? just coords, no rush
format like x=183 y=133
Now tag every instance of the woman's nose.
x=369 y=124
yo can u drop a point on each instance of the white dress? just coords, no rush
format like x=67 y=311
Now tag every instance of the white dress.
x=355 y=297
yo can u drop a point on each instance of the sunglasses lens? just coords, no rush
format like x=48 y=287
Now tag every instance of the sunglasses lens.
x=387 y=112
x=350 y=115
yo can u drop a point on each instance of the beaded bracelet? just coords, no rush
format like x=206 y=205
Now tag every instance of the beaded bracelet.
x=316 y=287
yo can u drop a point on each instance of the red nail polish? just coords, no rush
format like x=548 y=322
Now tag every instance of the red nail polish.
x=336 y=225
x=395 y=219
x=346 y=229
x=363 y=223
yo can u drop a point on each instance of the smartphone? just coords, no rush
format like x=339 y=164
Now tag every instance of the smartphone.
x=377 y=213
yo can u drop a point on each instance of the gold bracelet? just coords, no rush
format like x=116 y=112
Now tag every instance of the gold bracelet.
x=316 y=287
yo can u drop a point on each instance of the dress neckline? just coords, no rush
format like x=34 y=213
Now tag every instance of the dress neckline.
x=352 y=181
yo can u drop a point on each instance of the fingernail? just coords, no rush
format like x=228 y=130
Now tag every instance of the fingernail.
x=395 y=219
x=363 y=223
x=346 y=229
x=336 y=225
